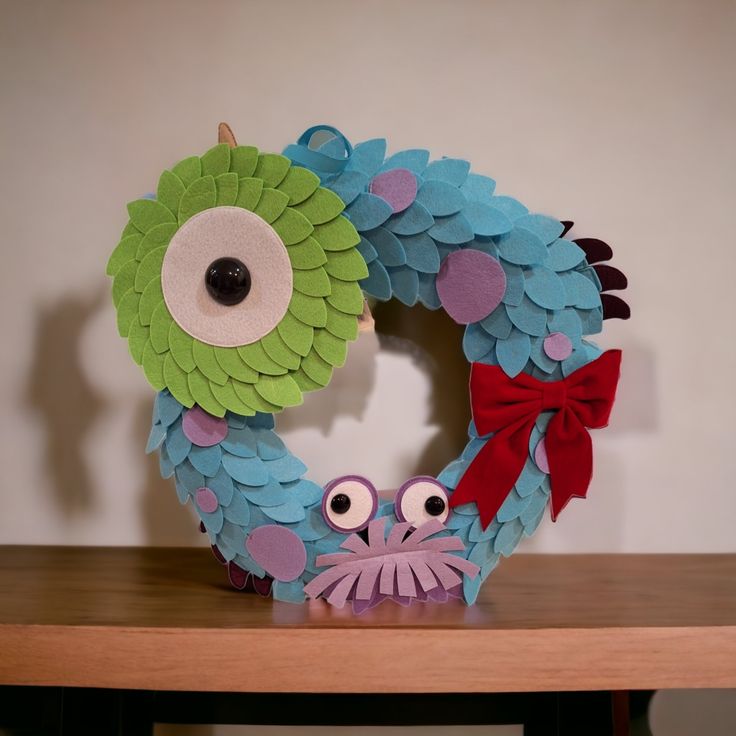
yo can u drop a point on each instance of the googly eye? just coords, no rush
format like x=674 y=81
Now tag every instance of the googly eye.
x=349 y=503
x=421 y=499
x=226 y=277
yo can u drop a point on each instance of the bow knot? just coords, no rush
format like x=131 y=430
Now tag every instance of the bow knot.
x=509 y=407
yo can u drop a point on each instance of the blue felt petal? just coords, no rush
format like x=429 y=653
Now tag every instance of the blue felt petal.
x=221 y=484
x=508 y=537
x=349 y=185
x=452 y=473
x=260 y=420
x=489 y=358
x=285 y=513
x=270 y=494
x=458 y=521
x=213 y=521
x=590 y=273
x=312 y=527
x=577 y=359
x=444 y=250
x=414 y=159
x=487 y=220
x=562 y=255
x=452 y=170
x=476 y=342
x=177 y=444
x=181 y=493
x=484 y=245
x=286 y=468
x=512 y=507
x=238 y=510
x=441 y=198
x=472 y=449
x=511 y=207
x=497 y=323
x=405 y=284
x=478 y=534
x=478 y=188
x=288 y=592
x=377 y=284
x=240 y=442
x=537 y=503
x=530 y=479
x=513 y=352
x=235 y=421
x=366 y=249
x=568 y=322
x=250 y=471
x=521 y=247
x=471 y=588
x=540 y=358
x=189 y=477
x=368 y=156
x=581 y=292
x=528 y=317
x=305 y=491
x=544 y=287
x=547 y=228
x=514 y=284
x=421 y=253
x=166 y=408
x=414 y=219
x=452 y=230
x=270 y=446
x=166 y=467
x=428 y=291
x=155 y=438
x=206 y=459
x=591 y=320
x=388 y=246
x=368 y=211
x=232 y=535
x=480 y=552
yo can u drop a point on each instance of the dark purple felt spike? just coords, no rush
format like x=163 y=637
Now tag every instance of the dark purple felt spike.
x=614 y=307
x=262 y=586
x=218 y=555
x=238 y=576
x=567 y=224
x=611 y=278
x=595 y=250
x=201 y=527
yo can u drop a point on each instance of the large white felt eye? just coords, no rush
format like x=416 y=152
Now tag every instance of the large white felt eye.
x=421 y=499
x=226 y=277
x=349 y=503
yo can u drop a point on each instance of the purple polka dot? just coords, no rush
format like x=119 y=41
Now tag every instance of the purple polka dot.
x=470 y=285
x=540 y=456
x=557 y=346
x=278 y=550
x=206 y=500
x=202 y=428
x=397 y=186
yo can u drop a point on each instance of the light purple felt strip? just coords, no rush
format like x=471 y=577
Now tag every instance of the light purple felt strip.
x=376 y=538
x=340 y=594
x=386 y=586
x=355 y=544
x=445 y=575
x=396 y=535
x=424 y=575
x=444 y=544
x=367 y=581
x=404 y=578
x=425 y=530
x=398 y=187
x=202 y=429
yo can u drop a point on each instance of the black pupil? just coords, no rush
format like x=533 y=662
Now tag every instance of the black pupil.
x=340 y=503
x=228 y=281
x=434 y=505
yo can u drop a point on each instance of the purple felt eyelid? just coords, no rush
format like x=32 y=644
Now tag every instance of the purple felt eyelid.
x=407 y=485
x=343 y=479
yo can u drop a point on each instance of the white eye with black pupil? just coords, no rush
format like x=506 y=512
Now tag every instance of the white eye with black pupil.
x=349 y=503
x=422 y=499
x=227 y=281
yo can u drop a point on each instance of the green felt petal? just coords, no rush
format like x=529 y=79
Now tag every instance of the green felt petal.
x=155 y=238
x=279 y=390
x=124 y=251
x=299 y=184
x=231 y=362
x=247 y=393
x=346 y=296
x=271 y=204
x=180 y=344
x=307 y=254
x=292 y=227
x=243 y=160
x=308 y=309
x=305 y=383
x=200 y=195
x=272 y=168
x=338 y=234
x=296 y=334
x=314 y=282
x=321 y=207
x=227 y=189
x=169 y=191
x=317 y=369
x=137 y=339
x=149 y=268
x=176 y=381
x=127 y=311
x=249 y=192
x=216 y=161
x=227 y=397
x=153 y=367
x=278 y=350
x=124 y=280
x=147 y=213
x=255 y=356
x=160 y=328
x=346 y=265
x=202 y=394
x=188 y=170
x=205 y=360
x=342 y=325
x=331 y=349
x=152 y=296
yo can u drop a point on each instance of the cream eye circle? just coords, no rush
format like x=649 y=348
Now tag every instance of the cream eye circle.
x=226 y=277
x=422 y=499
x=349 y=503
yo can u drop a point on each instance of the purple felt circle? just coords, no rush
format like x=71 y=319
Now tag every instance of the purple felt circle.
x=206 y=500
x=278 y=550
x=349 y=484
x=202 y=429
x=557 y=346
x=397 y=186
x=419 y=480
x=470 y=285
x=540 y=456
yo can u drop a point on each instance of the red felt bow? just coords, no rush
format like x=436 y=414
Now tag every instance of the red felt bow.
x=508 y=407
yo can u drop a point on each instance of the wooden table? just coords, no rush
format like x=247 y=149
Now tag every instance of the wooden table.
x=159 y=621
